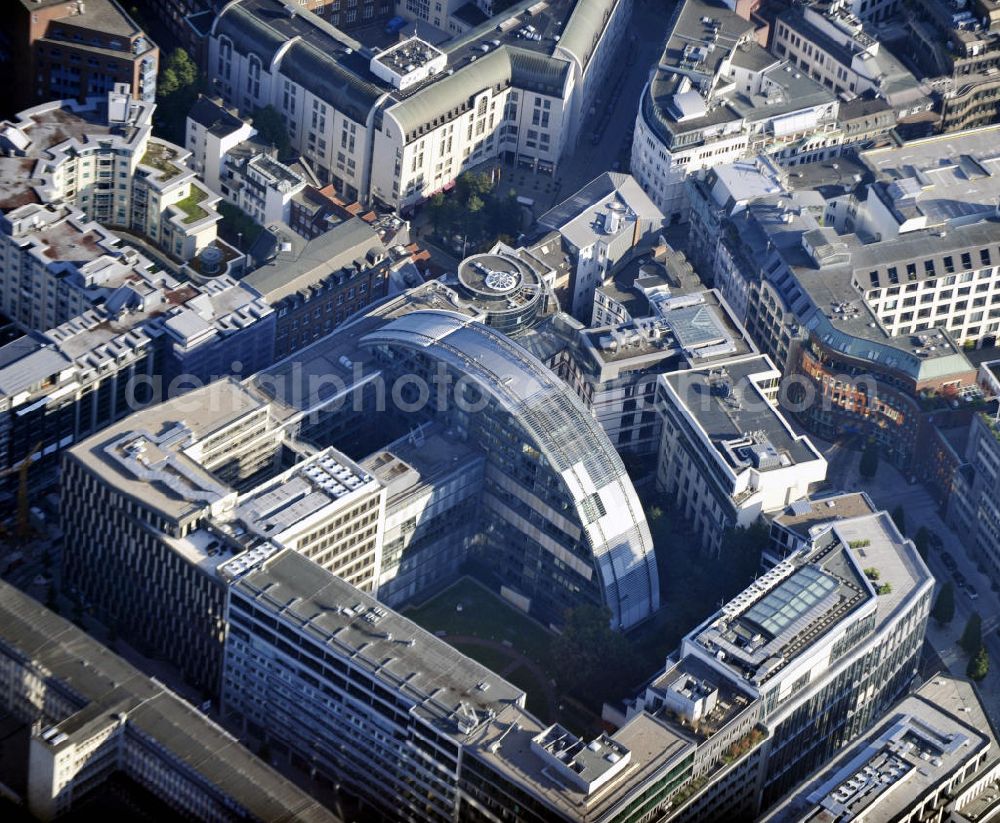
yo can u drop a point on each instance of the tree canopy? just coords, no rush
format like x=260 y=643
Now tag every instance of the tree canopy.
x=869 y=460
x=944 y=606
x=271 y=130
x=972 y=637
x=592 y=660
x=979 y=665
x=176 y=91
x=475 y=213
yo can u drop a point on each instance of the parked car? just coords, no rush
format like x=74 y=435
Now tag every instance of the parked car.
x=949 y=561
x=960 y=581
x=971 y=591
x=934 y=539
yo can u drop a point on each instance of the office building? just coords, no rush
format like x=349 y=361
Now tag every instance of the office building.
x=974 y=508
x=829 y=42
x=727 y=454
x=793 y=528
x=717 y=96
x=869 y=329
x=719 y=193
x=932 y=757
x=602 y=226
x=960 y=50
x=614 y=369
x=341 y=683
x=511 y=287
x=814 y=652
x=434 y=488
x=90 y=717
x=234 y=467
x=186 y=484
x=932 y=184
x=410 y=726
x=395 y=121
x=74 y=49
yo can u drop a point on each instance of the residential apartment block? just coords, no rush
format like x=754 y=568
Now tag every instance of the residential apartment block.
x=243 y=170
x=117 y=318
x=74 y=49
x=91 y=717
x=397 y=124
x=960 y=49
x=99 y=160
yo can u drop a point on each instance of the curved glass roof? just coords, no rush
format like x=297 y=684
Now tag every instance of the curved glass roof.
x=573 y=443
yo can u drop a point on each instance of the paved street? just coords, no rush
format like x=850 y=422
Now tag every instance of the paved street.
x=889 y=489
x=619 y=100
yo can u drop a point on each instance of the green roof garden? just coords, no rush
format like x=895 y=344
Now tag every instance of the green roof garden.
x=189 y=205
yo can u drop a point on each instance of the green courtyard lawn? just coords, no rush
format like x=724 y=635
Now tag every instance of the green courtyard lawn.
x=508 y=634
x=484 y=615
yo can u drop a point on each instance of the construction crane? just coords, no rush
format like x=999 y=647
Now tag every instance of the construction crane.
x=23 y=519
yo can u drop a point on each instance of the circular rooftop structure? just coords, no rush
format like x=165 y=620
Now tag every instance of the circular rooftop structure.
x=502 y=285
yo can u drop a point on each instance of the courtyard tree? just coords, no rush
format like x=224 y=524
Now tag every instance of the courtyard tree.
x=591 y=660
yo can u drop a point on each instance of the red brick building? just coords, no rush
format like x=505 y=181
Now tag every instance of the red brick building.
x=77 y=49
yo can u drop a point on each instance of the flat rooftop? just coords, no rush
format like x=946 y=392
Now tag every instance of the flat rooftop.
x=797 y=603
x=730 y=701
x=735 y=416
x=804 y=516
x=98 y=15
x=840 y=315
x=448 y=689
x=321 y=482
x=410 y=54
x=922 y=742
x=688 y=328
x=105 y=684
x=943 y=179
x=142 y=455
x=505 y=744
x=417 y=462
